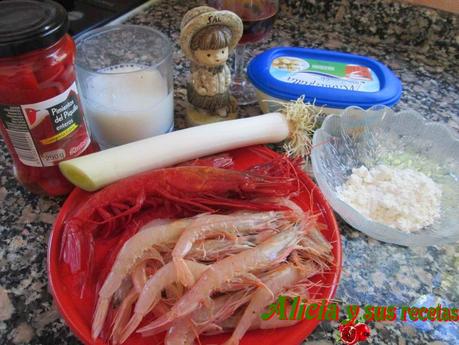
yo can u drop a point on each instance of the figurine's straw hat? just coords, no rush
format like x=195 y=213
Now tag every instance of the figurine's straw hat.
x=201 y=17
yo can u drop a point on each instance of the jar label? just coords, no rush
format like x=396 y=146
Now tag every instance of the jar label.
x=45 y=133
x=327 y=74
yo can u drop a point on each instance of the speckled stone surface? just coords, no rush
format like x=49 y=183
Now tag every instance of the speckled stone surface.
x=373 y=272
x=392 y=21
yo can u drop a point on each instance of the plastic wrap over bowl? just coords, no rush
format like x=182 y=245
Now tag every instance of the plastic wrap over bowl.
x=375 y=136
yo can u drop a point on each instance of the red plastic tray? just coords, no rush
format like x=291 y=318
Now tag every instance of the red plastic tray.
x=77 y=312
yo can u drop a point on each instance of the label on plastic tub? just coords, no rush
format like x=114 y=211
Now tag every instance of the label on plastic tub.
x=327 y=74
x=45 y=133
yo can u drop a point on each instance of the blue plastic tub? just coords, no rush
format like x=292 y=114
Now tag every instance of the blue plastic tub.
x=329 y=79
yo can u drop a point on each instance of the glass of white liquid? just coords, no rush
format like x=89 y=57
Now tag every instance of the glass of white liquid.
x=125 y=79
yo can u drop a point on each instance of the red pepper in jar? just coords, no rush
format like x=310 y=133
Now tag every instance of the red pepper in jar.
x=41 y=118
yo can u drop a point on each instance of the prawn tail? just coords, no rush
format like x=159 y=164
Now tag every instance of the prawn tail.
x=131 y=326
x=184 y=275
x=99 y=317
x=251 y=279
x=231 y=341
x=150 y=333
x=115 y=334
x=77 y=251
x=157 y=308
x=86 y=273
x=71 y=244
x=122 y=317
x=159 y=323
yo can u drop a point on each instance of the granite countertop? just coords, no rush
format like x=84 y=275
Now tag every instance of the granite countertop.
x=419 y=45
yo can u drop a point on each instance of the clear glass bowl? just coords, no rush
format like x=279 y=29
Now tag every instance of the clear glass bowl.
x=375 y=136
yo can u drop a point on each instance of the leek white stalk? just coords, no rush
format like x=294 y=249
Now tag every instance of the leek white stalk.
x=99 y=169
x=295 y=122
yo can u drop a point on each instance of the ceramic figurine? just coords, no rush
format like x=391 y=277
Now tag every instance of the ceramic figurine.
x=207 y=37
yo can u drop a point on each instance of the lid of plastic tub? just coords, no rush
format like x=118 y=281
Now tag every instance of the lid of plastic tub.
x=328 y=78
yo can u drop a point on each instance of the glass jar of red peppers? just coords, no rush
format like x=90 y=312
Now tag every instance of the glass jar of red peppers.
x=41 y=118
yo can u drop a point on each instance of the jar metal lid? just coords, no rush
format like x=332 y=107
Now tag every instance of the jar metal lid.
x=27 y=25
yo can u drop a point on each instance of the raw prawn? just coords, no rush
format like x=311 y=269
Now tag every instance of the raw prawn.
x=291 y=205
x=274 y=249
x=314 y=246
x=217 y=249
x=140 y=221
x=231 y=322
x=139 y=278
x=182 y=332
x=226 y=225
x=185 y=330
x=151 y=292
x=134 y=250
x=181 y=191
x=285 y=276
